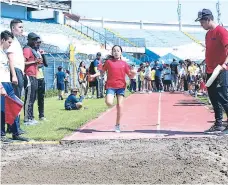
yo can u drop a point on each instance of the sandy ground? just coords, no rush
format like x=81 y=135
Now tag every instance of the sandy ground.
x=198 y=160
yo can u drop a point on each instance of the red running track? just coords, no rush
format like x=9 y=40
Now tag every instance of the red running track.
x=150 y=116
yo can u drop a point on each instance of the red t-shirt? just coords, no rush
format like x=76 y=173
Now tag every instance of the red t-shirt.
x=203 y=86
x=216 y=53
x=116 y=73
x=30 y=70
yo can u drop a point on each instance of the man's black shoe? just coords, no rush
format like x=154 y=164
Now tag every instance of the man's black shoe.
x=19 y=138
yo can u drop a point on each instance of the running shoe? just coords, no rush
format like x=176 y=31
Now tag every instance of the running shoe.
x=117 y=128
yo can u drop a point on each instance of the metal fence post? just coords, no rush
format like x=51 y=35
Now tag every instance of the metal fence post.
x=54 y=70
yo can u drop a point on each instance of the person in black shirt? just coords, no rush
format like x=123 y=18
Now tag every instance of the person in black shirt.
x=174 y=74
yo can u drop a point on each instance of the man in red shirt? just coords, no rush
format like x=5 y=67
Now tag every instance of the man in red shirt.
x=32 y=59
x=216 y=54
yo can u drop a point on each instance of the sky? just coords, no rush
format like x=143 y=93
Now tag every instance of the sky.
x=163 y=11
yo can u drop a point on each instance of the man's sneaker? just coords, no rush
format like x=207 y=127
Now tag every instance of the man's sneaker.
x=8 y=130
x=30 y=122
x=43 y=119
x=117 y=128
x=214 y=129
x=20 y=131
x=225 y=131
x=19 y=138
x=34 y=121
x=5 y=140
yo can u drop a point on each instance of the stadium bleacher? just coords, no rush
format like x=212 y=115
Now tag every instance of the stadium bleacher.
x=40 y=4
x=42 y=27
x=155 y=38
x=198 y=35
x=54 y=34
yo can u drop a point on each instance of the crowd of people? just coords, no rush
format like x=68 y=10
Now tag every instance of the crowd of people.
x=185 y=76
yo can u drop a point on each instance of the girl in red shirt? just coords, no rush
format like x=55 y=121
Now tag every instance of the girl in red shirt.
x=117 y=70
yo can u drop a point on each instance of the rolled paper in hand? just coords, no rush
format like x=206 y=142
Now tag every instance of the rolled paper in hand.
x=214 y=75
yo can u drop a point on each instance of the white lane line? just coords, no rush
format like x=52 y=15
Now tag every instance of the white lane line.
x=159 y=114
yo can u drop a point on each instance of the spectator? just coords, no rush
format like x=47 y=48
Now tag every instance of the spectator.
x=82 y=79
x=60 y=76
x=142 y=79
x=159 y=68
x=191 y=76
x=153 y=72
x=95 y=76
x=67 y=81
x=139 y=81
x=174 y=73
x=16 y=60
x=32 y=59
x=148 y=77
x=181 y=75
x=167 y=78
x=133 y=79
x=6 y=88
x=216 y=54
x=72 y=102
x=41 y=82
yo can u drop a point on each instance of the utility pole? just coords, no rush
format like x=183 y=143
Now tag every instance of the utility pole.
x=218 y=12
x=73 y=61
x=179 y=14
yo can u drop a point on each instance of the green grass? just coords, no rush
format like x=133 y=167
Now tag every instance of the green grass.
x=61 y=122
x=203 y=99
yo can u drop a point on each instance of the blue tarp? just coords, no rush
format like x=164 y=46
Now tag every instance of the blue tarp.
x=168 y=58
x=151 y=55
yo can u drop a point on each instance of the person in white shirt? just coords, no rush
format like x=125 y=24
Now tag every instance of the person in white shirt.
x=16 y=59
x=181 y=75
x=133 y=79
x=148 y=77
x=6 y=88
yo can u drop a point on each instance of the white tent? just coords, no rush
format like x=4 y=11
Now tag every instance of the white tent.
x=191 y=51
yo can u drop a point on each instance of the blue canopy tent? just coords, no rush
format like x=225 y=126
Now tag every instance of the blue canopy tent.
x=149 y=56
x=168 y=58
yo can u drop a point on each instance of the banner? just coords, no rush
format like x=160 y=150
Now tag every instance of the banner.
x=12 y=109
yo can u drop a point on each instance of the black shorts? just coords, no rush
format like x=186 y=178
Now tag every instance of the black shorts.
x=60 y=86
x=93 y=83
x=167 y=82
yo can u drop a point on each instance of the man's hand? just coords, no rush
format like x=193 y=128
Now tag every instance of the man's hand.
x=14 y=80
x=2 y=91
x=41 y=51
x=224 y=67
x=39 y=60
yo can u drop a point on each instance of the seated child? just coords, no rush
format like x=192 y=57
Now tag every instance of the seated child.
x=72 y=102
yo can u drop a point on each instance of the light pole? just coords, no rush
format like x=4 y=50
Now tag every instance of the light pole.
x=179 y=14
x=218 y=11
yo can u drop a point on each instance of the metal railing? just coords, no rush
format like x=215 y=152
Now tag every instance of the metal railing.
x=108 y=39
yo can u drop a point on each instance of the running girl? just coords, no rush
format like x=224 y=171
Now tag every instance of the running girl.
x=117 y=70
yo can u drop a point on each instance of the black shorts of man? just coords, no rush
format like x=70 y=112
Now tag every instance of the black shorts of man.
x=72 y=102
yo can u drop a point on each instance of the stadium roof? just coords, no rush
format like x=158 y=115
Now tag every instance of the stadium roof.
x=40 y=4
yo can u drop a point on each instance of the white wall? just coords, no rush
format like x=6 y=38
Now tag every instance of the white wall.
x=42 y=14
